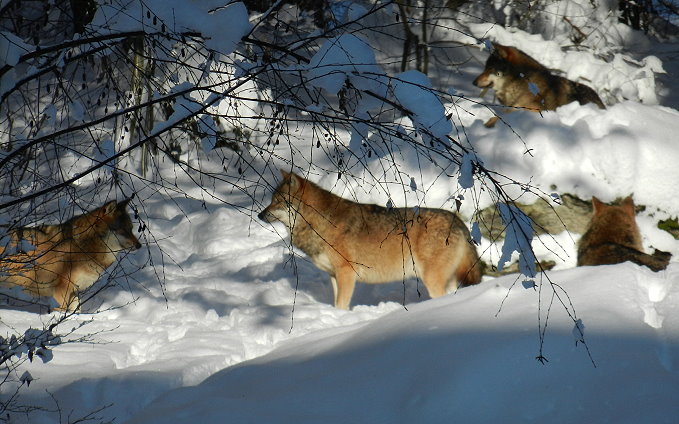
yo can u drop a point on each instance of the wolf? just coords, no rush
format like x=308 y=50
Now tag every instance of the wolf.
x=522 y=82
x=613 y=237
x=65 y=259
x=373 y=244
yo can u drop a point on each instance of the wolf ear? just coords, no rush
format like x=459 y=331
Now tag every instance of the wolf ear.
x=108 y=209
x=295 y=182
x=597 y=205
x=291 y=177
x=500 y=50
x=124 y=203
x=510 y=54
x=628 y=205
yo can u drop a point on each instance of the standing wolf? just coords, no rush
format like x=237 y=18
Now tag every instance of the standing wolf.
x=613 y=237
x=362 y=242
x=522 y=82
x=65 y=259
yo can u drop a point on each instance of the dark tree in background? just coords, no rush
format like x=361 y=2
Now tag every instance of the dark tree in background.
x=643 y=15
x=636 y=13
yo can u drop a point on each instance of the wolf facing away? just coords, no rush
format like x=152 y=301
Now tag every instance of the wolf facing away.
x=522 y=82
x=65 y=259
x=372 y=244
x=613 y=237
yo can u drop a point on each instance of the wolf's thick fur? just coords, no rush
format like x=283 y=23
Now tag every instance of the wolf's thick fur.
x=613 y=237
x=522 y=82
x=65 y=259
x=369 y=243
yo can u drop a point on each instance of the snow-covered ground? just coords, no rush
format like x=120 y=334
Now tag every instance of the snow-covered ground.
x=242 y=329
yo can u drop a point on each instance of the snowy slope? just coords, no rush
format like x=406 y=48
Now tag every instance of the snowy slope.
x=242 y=328
x=458 y=358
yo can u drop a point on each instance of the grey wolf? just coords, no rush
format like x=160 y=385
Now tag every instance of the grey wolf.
x=613 y=237
x=373 y=244
x=522 y=82
x=65 y=259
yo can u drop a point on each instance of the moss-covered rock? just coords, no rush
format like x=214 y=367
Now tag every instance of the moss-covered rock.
x=671 y=226
x=548 y=216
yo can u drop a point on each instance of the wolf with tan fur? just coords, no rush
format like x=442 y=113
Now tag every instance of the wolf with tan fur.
x=372 y=244
x=613 y=237
x=522 y=82
x=65 y=259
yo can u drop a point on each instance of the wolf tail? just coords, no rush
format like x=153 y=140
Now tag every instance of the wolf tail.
x=469 y=270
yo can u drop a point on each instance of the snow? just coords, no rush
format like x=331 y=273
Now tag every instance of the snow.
x=11 y=49
x=225 y=22
x=349 y=60
x=242 y=328
x=413 y=90
x=518 y=238
x=586 y=151
x=346 y=57
x=438 y=362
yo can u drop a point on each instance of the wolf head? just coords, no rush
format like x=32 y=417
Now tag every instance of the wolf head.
x=622 y=212
x=617 y=222
x=285 y=200
x=118 y=225
x=503 y=61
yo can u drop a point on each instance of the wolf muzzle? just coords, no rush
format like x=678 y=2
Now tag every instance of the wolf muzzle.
x=483 y=81
x=264 y=215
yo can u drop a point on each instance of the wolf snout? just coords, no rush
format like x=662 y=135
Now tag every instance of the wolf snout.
x=264 y=216
x=130 y=244
x=482 y=81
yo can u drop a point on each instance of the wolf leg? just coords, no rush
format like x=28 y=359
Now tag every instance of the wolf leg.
x=343 y=284
x=66 y=296
x=436 y=283
x=490 y=123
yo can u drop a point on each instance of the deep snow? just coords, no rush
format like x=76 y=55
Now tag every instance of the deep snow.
x=242 y=329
